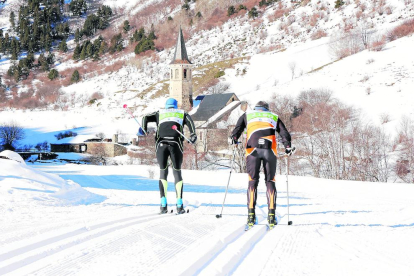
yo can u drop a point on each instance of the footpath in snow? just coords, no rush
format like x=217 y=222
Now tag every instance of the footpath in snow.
x=339 y=227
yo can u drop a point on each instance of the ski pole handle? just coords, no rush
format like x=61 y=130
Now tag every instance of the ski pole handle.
x=287 y=155
x=175 y=128
x=132 y=116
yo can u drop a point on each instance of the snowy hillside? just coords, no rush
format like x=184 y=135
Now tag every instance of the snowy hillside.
x=283 y=33
x=339 y=227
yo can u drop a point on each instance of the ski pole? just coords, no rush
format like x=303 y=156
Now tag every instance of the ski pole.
x=175 y=128
x=132 y=116
x=287 y=179
x=287 y=186
x=228 y=182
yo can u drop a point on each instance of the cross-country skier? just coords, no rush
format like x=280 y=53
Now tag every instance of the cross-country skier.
x=261 y=125
x=169 y=143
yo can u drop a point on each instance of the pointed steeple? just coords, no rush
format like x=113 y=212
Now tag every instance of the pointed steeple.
x=180 y=55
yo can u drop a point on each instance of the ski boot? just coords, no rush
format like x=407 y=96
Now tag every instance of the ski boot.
x=271 y=219
x=251 y=219
x=180 y=206
x=163 y=208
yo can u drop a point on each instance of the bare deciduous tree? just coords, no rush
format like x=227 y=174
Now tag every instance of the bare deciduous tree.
x=346 y=44
x=404 y=167
x=219 y=88
x=10 y=133
x=292 y=68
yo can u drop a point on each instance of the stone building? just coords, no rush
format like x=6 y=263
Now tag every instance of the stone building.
x=110 y=148
x=181 y=85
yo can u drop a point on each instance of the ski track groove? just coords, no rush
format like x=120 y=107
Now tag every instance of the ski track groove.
x=38 y=245
x=170 y=247
x=79 y=262
x=73 y=233
x=27 y=232
x=261 y=231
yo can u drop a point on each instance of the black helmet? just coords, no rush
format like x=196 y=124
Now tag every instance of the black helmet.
x=261 y=105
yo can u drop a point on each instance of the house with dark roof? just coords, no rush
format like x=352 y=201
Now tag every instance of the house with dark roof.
x=214 y=117
x=210 y=105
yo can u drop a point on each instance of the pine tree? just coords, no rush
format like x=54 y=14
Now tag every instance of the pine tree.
x=263 y=3
x=83 y=53
x=138 y=35
x=14 y=49
x=103 y=48
x=63 y=47
x=24 y=73
x=30 y=60
x=12 y=20
x=231 y=10
x=77 y=36
x=97 y=44
x=89 y=50
x=241 y=7
x=152 y=32
x=75 y=76
x=126 y=27
x=339 y=3
x=42 y=62
x=144 y=45
x=116 y=43
x=96 y=56
x=50 y=58
x=253 y=13
x=53 y=74
x=48 y=43
x=17 y=73
x=76 y=52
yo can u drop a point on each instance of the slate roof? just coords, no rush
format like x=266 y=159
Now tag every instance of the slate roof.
x=210 y=105
x=180 y=55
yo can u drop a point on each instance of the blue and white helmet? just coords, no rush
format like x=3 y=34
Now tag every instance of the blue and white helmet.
x=171 y=103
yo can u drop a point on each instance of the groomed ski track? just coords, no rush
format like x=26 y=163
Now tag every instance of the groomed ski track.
x=337 y=230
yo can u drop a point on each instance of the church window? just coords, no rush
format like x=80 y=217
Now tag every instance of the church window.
x=176 y=73
x=185 y=73
x=171 y=74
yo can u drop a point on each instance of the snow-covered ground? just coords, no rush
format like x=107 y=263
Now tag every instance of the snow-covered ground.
x=339 y=227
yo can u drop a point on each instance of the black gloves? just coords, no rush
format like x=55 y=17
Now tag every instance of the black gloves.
x=193 y=138
x=233 y=140
x=289 y=151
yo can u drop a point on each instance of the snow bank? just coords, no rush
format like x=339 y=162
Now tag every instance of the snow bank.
x=8 y=154
x=21 y=184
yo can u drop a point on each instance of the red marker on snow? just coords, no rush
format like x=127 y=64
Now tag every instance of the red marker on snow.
x=125 y=106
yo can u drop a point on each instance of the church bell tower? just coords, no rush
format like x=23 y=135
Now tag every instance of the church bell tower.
x=181 y=83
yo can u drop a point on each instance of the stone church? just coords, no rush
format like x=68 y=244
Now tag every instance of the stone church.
x=212 y=114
